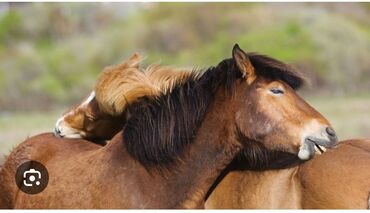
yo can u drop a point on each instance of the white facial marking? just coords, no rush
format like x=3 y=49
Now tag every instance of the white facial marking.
x=90 y=98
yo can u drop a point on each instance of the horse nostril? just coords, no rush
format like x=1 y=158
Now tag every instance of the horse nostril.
x=57 y=130
x=330 y=132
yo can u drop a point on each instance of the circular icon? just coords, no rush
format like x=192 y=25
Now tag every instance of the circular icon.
x=32 y=177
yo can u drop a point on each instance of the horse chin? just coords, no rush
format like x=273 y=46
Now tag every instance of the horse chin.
x=309 y=149
x=304 y=154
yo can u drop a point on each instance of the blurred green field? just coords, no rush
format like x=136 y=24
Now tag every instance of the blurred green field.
x=349 y=116
x=50 y=53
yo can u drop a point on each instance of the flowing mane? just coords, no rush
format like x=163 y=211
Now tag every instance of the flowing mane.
x=159 y=129
x=121 y=85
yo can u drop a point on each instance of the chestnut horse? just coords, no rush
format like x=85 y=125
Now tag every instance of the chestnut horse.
x=337 y=179
x=102 y=114
x=173 y=147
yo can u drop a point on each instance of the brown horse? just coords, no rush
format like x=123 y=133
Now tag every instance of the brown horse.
x=103 y=113
x=337 y=179
x=174 y=147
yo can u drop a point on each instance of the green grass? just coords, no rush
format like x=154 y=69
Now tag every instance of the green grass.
x=348 y=115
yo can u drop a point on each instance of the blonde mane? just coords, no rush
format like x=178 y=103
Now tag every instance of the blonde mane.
x=121 y=85
x=166 y=77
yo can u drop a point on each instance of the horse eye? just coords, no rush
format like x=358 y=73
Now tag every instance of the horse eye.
x=90 y=118
x=277 y=91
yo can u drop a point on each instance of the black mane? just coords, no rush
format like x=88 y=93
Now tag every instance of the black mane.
x=159 y=129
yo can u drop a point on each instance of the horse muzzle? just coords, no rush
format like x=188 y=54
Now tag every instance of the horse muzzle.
x=317 y=144
x=62 y=130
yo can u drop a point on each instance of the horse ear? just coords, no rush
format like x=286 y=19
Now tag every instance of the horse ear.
x=243 y=63
x=134 y=61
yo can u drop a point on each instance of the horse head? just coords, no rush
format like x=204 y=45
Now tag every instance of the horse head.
x=268 y=110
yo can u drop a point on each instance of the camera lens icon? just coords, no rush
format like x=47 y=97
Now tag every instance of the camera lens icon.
x=32 y=177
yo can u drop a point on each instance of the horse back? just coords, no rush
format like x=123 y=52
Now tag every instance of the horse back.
x=339 y=178
x=39 y=148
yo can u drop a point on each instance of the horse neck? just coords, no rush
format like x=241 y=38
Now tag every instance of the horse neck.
x=209 y=154
x=186 y=183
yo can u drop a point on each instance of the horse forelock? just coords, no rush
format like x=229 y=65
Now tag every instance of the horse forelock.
x=272 y=68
